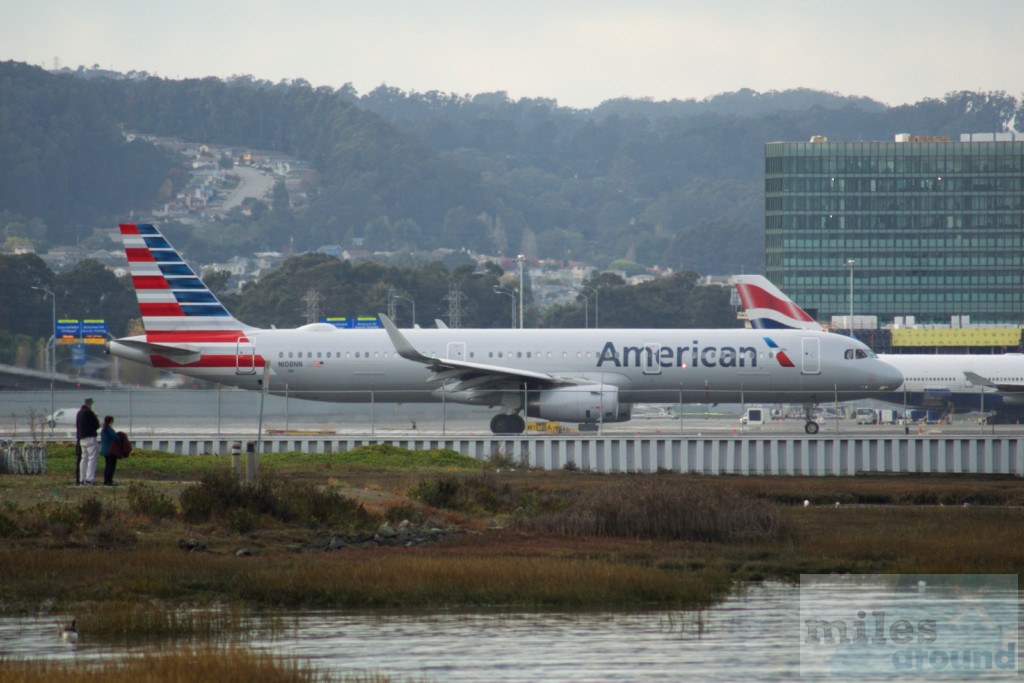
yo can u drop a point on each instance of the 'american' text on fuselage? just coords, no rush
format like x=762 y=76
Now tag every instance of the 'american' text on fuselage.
x=667 y=357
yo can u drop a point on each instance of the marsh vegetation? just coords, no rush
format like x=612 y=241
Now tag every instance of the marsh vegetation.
x=183 y=552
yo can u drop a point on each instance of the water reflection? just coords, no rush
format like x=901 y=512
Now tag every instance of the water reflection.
x=751 y=636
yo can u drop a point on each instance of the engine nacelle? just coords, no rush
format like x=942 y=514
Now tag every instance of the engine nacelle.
x=591 y=403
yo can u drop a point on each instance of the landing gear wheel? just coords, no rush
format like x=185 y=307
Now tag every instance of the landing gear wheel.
x=507 y=424
x=811 y=427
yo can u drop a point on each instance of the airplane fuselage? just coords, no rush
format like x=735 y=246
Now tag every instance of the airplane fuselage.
x=938 y=381
x=321 y=362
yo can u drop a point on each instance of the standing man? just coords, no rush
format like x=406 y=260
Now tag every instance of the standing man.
x=88 y=428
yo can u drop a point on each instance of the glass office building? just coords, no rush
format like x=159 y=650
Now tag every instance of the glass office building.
x=934 y=229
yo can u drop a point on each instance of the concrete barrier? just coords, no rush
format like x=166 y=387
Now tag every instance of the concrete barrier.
x=712 y=455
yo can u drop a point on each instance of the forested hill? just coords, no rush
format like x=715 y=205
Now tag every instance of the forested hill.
x=676 y=184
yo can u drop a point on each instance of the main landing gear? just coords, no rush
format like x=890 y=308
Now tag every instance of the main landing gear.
x=503 y=423
x=811 y=427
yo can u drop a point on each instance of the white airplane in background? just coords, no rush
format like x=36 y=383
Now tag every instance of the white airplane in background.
x=585 y=376
x=962 y=382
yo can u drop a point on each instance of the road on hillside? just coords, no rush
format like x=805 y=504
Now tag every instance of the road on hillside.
x=253 y=183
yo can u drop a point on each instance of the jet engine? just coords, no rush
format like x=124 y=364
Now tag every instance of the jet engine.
x=583 y=403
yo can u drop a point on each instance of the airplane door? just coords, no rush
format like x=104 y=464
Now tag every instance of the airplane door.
x=652 y=359
x=245 y=357
x=456 y=350
x=811 y=356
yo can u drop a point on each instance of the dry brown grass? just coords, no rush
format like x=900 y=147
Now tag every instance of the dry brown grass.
x=682 y=509
x=232 y=665
x=654 y=559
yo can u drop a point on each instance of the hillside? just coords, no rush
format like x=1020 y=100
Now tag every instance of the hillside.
x=677 y=184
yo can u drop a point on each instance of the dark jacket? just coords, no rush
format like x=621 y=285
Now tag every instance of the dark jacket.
x=107 y=437
x=86 y=422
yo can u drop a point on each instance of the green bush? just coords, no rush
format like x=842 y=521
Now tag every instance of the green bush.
x=219 y=495
x=484 y=492
x=152 y=504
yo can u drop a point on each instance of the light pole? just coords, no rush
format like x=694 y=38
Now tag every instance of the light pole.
x=511 y=295
x=399 y=296
x=53 y=351
x=850 y=263
x=586 y=310
x=521 y=259
x=597 y=305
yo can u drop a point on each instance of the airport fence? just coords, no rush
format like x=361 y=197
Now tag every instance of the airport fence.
x=27 y=415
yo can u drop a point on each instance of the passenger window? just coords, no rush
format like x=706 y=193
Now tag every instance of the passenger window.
x=289 y=354
x=357 y=354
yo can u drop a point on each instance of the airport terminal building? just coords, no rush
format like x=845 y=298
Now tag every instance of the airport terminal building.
x=932 y=230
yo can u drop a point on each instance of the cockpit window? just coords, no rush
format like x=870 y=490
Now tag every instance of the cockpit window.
x=858 y=353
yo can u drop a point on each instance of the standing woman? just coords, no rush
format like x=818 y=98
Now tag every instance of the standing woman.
x=107 y=437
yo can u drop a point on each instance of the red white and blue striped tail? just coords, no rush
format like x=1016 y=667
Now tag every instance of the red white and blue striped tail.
x=768 y=308
x=175 y=304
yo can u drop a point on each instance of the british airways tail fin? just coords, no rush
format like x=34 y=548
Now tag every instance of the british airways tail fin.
x=768 y=308
x=175 y=304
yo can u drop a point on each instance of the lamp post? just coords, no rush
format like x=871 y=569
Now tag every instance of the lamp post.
x=511 y=295
x=586 y=310
x=521 y=259
x=53 y=350
x=399 y=296
x=850 y=263
x=597 y=305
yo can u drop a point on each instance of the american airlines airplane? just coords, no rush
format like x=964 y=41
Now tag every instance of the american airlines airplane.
x=961 y=382
x=585 y=376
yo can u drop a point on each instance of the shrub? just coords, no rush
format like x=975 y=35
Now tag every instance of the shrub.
x=219 y=495
x=241 y=520
x=8 y=527
x=663 y=509
x=91 y=512
x=485 y=491
x=445 y=492
x=152 y=504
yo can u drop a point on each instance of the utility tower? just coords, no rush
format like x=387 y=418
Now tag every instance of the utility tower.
x=455 y=297
x=312 y=299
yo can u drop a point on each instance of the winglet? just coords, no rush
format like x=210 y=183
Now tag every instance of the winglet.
x=975 y=378
x=401 y=344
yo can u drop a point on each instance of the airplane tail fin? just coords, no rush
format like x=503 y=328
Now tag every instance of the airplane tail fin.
x=768 y=308
x=175 y=304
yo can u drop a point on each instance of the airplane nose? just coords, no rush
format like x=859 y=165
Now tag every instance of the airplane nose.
x=888 y=376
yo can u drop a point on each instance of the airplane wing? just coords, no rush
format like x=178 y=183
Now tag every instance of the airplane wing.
x=977 y=379
x=478 y=376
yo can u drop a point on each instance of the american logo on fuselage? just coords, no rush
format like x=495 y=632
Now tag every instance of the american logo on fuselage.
x=651 y=355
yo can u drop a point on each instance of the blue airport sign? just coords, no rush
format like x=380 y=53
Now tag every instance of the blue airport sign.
x=68 y=331
x=78 y=354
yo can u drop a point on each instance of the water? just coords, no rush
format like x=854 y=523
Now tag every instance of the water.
x=748 y=634
x=753 y=635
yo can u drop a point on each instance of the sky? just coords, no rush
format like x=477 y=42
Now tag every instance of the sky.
x=577 y=52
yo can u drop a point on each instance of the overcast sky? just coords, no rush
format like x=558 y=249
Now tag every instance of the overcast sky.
x=577 y=52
